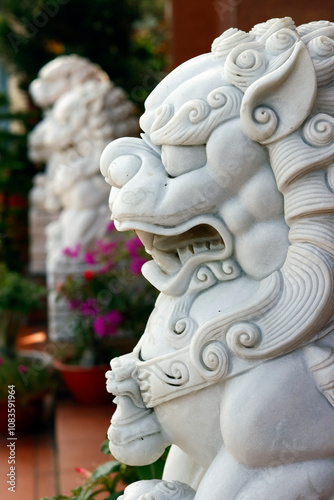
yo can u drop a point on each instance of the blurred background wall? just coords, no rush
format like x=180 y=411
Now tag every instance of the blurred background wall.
x=194 y=24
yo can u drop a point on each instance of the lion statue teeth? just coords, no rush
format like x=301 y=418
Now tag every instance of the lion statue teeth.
x=231 y=190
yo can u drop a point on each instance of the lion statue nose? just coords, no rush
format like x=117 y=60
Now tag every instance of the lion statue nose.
x=122 y=170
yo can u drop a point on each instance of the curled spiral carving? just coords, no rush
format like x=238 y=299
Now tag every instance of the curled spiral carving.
x=229 y=268
x=243 y=336
x=164 y=114
x=214 y=360
x=217 y=98
x=321 y=47
x=231 y=38
x=181 y=332
x=319 y=130
x=182 y=325
x=281 y=41
x=266 y=118
x=199 y=110
x=204 y=274
x=179 y=372
x=245 y=64
x=250 y=60
x=272 y=26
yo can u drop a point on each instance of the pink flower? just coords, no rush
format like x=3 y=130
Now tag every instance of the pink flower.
x=107 y=324
x=136 y=265
x=89 y=307
x=89 y=258
x=73 y=304
x=133 y=245
x=110 y=227
x=72 y=252
x=83 y=472
x=22 y=369
x=105 y=247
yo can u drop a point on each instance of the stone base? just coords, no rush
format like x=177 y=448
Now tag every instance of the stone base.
x=38 y=220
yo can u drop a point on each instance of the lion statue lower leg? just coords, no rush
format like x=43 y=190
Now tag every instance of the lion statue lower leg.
x=231 y=190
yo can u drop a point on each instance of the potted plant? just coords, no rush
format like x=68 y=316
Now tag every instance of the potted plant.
x=25 y=376
x=109 y=305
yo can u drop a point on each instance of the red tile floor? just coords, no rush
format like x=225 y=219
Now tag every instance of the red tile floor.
x=46 y=459
x=46 y=463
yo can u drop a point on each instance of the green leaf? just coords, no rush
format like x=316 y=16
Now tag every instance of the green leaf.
x=152 y=471
x=86 y=494
x=105 y=447
x=105 y=469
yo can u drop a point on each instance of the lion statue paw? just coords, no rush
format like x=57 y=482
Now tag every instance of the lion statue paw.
x=156 y=489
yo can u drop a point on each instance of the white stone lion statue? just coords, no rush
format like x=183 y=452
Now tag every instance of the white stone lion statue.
x=61 y=75
x=231 y=190
x=72 y=136
x=57 y=77
x=70 y=139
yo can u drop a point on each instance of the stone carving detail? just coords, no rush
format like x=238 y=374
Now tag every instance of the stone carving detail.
x=231 y=190
x=87 y=112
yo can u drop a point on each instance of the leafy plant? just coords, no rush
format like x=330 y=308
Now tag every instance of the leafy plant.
x=109 y=299
x=18 y=293
x=16 y=172
x=29 y=376
x=111 y=478
x=18 y=296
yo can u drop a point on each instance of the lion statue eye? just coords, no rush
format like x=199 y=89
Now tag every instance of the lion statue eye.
x=179 y=160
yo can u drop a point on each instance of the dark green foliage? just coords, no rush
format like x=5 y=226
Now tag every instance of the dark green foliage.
x=124 y=37
x=108 y=32
x=16 y=173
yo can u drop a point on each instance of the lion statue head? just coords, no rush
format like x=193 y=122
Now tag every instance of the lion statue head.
x=61 y=75
x=233 y=179
x=73 y=134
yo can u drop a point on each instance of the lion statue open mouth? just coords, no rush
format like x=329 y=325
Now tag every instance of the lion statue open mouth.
x=231 y=190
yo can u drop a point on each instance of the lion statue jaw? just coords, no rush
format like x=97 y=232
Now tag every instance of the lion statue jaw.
x=231 y=190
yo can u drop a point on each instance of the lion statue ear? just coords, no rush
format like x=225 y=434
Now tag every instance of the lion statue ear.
x=277 y=104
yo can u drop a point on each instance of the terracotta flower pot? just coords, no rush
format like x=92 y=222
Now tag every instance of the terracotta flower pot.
x=86 y=384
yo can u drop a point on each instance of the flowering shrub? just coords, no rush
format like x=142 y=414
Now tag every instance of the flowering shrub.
x=109 y=298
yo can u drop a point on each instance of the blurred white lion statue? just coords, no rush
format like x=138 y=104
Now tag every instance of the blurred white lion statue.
x=70 y=139
x=231 y=190
x=55 y=78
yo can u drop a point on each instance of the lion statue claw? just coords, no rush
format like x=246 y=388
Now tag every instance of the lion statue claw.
x=231 y=190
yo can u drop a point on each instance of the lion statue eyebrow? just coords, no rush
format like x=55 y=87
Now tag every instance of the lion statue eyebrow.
x=231 y=190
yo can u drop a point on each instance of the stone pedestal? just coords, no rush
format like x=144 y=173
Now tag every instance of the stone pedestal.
x=38 y=221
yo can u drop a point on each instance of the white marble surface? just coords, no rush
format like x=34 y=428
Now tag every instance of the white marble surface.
x=231 y=190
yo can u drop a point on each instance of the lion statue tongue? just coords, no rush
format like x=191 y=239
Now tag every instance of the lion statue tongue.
x=231 y=190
